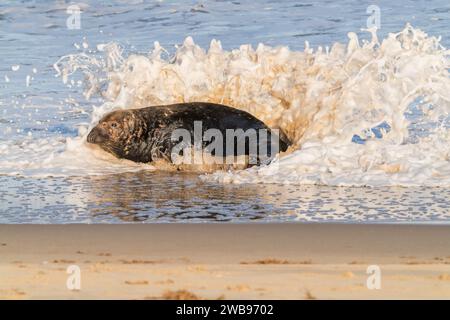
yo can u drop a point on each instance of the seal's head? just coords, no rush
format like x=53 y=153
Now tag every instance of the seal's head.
x=120 y=133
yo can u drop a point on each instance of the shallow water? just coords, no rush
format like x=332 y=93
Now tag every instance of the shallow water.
x=38 y=113
x=178 y=197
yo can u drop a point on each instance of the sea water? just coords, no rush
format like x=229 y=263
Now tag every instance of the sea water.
x=362 y=91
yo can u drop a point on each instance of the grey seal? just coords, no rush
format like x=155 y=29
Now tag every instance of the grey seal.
x=147 y=134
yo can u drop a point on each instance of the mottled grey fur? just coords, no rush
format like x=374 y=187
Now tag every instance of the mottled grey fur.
x=144 y=135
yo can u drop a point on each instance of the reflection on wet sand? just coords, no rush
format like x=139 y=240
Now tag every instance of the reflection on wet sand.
x=173 y=196
x=168 y=196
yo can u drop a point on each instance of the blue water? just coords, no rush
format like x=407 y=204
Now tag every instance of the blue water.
x=34 y=35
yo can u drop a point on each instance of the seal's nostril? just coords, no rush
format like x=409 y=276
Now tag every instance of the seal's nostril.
x=93 y=137
x=97 y=136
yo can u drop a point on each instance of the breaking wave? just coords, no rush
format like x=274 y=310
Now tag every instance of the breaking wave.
x=372 y=113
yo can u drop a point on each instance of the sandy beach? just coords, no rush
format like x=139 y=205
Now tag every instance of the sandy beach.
x=224 y=261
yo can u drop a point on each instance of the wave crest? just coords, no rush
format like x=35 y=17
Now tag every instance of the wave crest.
x=322 y=99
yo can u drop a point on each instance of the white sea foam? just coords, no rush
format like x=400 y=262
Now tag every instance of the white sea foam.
x=60 y=158
x=322 y=99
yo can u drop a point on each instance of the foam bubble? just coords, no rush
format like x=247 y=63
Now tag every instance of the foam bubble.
x=361 y=113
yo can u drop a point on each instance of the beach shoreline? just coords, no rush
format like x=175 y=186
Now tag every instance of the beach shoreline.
x=225 y=261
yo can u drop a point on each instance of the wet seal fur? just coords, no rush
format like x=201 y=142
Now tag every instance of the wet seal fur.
x=145 y=135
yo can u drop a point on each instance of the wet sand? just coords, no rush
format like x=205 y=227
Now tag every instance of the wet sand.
x=224 y=261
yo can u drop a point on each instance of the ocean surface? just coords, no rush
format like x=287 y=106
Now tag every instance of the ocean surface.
x=367 y=110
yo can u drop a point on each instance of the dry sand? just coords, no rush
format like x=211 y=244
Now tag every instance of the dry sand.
x=224 y=261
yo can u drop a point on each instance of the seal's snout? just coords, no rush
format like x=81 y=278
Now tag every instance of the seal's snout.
x=96 y=137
